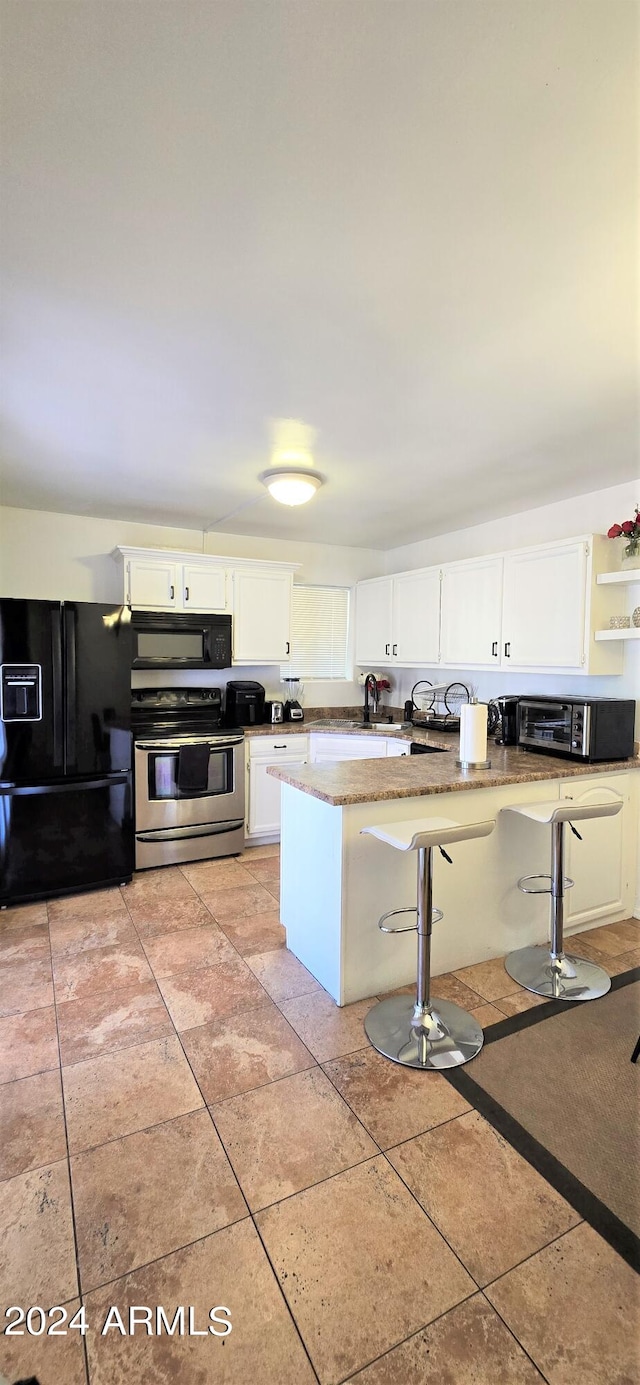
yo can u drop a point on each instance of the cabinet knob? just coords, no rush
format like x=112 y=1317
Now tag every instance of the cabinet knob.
x=288 y=648
x=172 y=591
x=507 y=650
x=387 y=648
x=494 y=649
x=186 y=593
x=395 y=649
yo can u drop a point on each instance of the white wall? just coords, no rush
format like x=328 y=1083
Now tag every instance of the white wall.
x=584 y=514
x=68 y=557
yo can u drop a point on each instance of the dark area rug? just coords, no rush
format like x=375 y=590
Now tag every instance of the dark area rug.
x=558 y=1082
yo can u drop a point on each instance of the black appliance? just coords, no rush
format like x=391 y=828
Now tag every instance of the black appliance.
x=189 y=777
x=177 y=639
x=508 y=715
x=590 y=728
x=66 y=813
x=293 y=710
x=245 y=704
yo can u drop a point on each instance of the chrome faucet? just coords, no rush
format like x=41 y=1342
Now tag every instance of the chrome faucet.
x=370 y=686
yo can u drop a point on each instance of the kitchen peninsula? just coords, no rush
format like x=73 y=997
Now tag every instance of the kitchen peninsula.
x=335 y=883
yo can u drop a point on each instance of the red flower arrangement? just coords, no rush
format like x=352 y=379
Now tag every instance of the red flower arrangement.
x=629 y=530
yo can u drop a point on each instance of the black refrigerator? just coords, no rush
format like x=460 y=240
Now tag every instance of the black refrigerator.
x=66 y=809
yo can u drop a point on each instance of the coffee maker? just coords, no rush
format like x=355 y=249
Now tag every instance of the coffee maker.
x=292 y=707
x=508 y=732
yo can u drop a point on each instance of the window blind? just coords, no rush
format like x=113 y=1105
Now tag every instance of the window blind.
x=319 y=629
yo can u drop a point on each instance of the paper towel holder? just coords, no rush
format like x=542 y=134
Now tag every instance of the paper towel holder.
x=473 y=764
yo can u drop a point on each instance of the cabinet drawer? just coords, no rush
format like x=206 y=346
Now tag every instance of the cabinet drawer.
x=272 y=747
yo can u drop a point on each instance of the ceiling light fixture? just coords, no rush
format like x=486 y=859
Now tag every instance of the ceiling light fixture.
x=291 y=485
x=291 y=479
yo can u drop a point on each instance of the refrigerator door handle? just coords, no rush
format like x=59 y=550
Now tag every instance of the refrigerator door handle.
x=109 y=781
x=70 y=687
x=56 y=700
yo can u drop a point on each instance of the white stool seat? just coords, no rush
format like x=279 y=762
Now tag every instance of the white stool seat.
x=566 y=810
x=425 y=832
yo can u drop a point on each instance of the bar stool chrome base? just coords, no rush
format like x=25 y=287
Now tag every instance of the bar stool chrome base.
x=441 y=1035
x=557 y=978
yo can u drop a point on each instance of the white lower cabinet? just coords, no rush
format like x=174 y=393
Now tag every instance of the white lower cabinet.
x=325 y=749
x=398 y=748
x=596 y=863
x=262 y=809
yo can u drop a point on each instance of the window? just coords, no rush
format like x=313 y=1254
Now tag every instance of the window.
x=319 y=629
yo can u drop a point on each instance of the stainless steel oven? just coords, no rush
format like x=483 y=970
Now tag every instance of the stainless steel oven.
x=174 y=823
x=189 y=778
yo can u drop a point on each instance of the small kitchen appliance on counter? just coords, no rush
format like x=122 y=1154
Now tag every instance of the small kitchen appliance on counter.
x=508 y=721
x=591 y=728
x=245 y=703
x=277 y=713
x=293 y=708
x=189 y=777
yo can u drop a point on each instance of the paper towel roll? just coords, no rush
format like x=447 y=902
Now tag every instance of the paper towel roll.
x=473 y=732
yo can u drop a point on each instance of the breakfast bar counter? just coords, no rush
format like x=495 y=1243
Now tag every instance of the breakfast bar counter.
x=335 y=883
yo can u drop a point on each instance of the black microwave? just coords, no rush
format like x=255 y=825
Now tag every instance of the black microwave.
x=176 y=639
x=590 y=728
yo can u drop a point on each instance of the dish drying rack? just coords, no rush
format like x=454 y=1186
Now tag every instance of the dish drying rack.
x=438 y=704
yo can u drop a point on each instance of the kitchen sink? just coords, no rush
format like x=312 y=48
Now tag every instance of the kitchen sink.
x=342 y=724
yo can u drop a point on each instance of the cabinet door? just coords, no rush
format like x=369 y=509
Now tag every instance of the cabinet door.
x=153 y=584
x=395 y=749
x=264 y=795
x=543 y=622
x=326 y=748
x=471 y=613
x=373 y=621
x=204 y=587
x=416 y=618
x=261 y=616
x=596 y=862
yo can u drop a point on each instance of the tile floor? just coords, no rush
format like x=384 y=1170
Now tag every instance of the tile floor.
x=186 y=1118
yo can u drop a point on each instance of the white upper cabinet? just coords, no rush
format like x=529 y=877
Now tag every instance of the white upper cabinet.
x=544 y=609
x=204 y=587
x=415 y=624
x=261 y=615
x=153 y=584
x=471 y=613
x=374 y=604
x=398 y=619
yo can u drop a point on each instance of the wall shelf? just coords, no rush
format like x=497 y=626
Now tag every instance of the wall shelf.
x=631 y=574
x=630 y=634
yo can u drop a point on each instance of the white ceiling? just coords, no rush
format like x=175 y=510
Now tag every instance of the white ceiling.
x=409 y=223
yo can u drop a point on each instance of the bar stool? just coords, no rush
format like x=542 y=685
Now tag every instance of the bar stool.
x=422 y=1034
x=549 y=971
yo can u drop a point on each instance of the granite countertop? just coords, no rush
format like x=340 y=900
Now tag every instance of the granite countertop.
x=334 y=726
x=371 y=781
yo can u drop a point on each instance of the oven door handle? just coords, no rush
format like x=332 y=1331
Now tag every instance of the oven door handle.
x=199 y=740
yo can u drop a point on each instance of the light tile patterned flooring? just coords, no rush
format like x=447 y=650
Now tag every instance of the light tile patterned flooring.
x=186 y=1118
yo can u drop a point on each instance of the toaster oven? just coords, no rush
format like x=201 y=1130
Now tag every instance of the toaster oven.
x=592 y=728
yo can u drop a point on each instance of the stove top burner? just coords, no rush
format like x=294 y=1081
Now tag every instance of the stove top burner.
x=166 y=712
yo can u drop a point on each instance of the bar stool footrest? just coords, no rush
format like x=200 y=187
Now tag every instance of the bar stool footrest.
x=526 y=888
x=436 y=915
